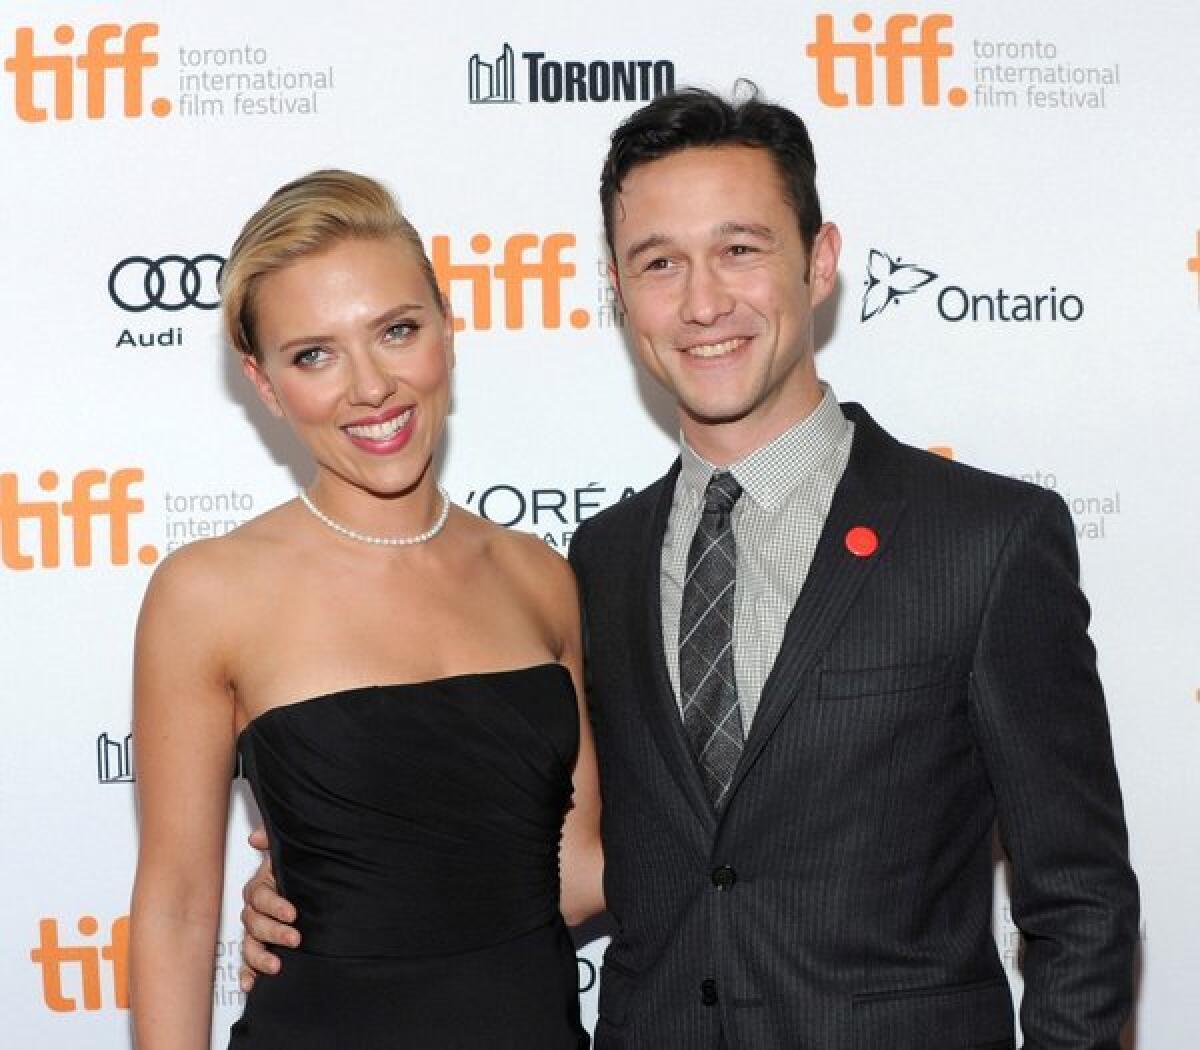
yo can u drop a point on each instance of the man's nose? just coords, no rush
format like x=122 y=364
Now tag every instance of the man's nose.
x=706 y=299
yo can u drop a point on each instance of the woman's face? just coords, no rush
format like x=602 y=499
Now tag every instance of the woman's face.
x=355 y=353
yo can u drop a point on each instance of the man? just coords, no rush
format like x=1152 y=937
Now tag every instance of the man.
x=823 y=665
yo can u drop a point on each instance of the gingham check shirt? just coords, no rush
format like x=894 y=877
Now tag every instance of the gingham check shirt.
x=787 y=488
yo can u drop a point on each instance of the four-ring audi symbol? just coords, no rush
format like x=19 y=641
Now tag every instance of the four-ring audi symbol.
x=171 y=282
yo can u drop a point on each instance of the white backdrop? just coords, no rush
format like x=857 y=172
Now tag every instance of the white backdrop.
x=1025 y=150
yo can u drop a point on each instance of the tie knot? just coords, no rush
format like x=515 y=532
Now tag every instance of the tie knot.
x=722 y=493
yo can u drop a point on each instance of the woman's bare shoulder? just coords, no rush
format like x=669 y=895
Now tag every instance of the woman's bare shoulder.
x=542 y=577
x=520 y=554
x=215 y=572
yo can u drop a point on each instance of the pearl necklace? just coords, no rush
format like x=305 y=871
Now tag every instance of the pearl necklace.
x=383 y=541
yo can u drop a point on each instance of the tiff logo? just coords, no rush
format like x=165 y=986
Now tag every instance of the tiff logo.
x=95 y=495
x=494 y=81
x=528 y=260
x=907 y=39
x=54 y=958
x=109 y=49
x=114 y=760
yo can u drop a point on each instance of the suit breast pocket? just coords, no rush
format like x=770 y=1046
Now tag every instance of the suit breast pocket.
x=856 y=682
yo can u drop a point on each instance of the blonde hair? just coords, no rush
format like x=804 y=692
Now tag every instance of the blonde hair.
x=302 y=218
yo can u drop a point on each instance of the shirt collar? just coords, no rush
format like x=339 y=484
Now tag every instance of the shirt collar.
x=769 y=473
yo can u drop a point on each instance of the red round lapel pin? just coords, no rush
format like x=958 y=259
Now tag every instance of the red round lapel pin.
x=861 y=541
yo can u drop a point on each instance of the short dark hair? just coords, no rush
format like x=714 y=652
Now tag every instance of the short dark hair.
x=693 y=117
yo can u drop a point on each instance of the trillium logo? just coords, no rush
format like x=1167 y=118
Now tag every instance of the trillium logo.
x=888 y=280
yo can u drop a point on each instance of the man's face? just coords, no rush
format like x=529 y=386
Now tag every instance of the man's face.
x=719 y=291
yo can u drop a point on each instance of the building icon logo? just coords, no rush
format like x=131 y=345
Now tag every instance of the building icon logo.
x=887 y=280
x=494 y=81
x=114 y=760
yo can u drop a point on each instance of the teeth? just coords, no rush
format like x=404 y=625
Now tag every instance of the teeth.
x=380 y=431
x=714 y=349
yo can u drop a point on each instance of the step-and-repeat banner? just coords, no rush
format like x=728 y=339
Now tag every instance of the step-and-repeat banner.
x=1020 y=288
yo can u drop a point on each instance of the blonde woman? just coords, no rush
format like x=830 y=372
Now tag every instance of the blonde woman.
x=401 y=678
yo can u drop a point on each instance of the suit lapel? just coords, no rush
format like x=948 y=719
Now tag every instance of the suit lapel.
x=658 y=702
x=868 y=495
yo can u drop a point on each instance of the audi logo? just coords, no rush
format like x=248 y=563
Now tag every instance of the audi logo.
x=171 y=282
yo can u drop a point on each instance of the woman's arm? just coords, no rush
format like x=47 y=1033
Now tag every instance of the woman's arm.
x=184 y=734
x=581 y=856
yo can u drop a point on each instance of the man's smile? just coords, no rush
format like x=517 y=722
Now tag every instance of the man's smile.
x=720 y=349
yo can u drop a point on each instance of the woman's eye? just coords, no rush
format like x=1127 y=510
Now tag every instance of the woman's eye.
x=400 y=330
x=310 y=355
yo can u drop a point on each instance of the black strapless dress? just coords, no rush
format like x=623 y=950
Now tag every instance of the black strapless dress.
x=416 y=829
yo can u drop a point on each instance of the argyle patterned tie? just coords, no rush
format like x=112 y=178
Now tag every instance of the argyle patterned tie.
x=712 y=718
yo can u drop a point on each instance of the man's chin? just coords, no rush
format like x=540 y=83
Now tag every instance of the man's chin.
x=715 y=415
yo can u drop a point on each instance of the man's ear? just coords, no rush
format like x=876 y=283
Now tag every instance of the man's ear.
x=823 y=262
x=253 y=371
x=614 y=278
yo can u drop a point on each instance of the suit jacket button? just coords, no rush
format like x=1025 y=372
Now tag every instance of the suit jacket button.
x=708 y=992
x=723 y=877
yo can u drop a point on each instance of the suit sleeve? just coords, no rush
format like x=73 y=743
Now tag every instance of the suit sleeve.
x=575 y=556
x=1039 y=714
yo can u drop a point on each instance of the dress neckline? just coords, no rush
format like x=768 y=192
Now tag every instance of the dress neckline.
x=548 y=665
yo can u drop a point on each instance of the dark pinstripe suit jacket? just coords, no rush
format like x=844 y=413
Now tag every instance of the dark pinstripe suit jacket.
x=843 y=899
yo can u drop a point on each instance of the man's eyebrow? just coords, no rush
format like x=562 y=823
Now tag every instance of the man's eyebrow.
x=725 y=229
x=654 y=240
x=752 y=229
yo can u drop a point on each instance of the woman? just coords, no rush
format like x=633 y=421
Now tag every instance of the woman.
x=400 y=677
